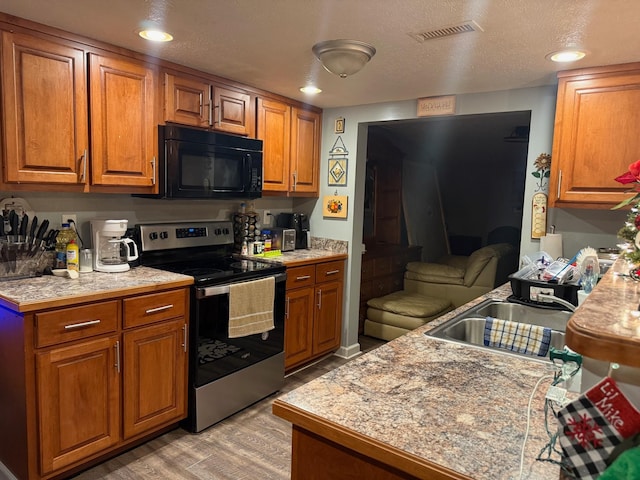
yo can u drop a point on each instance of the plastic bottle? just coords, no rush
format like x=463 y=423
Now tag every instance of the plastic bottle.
x=73 y=255
x=62 y=240
x=245 y=248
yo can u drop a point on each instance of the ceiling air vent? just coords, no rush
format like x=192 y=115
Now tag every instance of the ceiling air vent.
x=464 y=27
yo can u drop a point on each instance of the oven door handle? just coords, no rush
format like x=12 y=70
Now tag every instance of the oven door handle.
x=215 y=290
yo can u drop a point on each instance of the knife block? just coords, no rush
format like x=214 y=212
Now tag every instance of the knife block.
x=18 y=259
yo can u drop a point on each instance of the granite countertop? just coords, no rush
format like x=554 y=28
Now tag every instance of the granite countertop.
x=461 y=407
x=48 y=291
x=303 y=256
x=607 y=324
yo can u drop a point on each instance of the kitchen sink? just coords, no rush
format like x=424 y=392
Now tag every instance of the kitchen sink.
x=468 y=326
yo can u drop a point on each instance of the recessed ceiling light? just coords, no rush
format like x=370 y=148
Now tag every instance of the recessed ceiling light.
x=310 y=89
x=156 y=35
x=563 y=56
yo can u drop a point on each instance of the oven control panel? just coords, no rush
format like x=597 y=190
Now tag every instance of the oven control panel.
x=165 y=236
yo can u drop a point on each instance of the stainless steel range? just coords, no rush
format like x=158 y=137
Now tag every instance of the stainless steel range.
x=226 y=373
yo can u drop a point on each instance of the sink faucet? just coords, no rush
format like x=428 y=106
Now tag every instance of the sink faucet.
x=546 y=298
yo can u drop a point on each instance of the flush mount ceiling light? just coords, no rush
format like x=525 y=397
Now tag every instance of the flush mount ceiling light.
x=567 y=55
x=343 y=57
x=310 y=90
x=155 y=35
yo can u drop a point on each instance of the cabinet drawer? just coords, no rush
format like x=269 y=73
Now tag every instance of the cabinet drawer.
x=301 y=276
x=156 y=307
x=74 y=323
x=330 y=271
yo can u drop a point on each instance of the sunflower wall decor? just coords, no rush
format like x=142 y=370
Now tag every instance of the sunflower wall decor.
x=539 y=200
x=335 y=206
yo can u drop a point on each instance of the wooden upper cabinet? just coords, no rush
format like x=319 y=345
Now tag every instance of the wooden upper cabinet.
x=595 y=135
x=44 y=109
x=291 y=148
x=274 y=129
x=187 y=101
x=305 y=151
x=196 y=102
x=123 y=122
x=232 y=111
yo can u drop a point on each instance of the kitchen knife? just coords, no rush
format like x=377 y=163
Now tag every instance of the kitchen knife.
x=32 y=231
x=40 y=236
x=13 y=221
x=24 y=224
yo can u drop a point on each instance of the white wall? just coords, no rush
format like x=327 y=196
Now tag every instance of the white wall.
x=597 y=228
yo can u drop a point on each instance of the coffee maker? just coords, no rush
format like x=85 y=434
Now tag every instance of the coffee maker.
x=112 y=252
x=300 y=223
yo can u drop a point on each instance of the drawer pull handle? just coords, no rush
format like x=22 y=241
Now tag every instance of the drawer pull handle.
x=303 y=277
x=159 y=309
x=82 y=324
x=117 y=365
x=184 y=338
x=332 y=272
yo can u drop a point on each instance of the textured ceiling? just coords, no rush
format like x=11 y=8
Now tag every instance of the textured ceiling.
x=267 y=43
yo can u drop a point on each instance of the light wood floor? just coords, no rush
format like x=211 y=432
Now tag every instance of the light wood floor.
x=252 y=444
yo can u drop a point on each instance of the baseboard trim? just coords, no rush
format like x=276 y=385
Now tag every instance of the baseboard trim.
x=348 y=352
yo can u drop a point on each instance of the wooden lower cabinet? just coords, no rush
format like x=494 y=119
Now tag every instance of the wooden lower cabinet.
x=313 y=318
x=78 y=401
x=155 y=361
x=88 y=380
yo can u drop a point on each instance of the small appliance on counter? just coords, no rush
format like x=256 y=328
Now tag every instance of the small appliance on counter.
x=113 y=252
x=283 y=239
x=298 y=222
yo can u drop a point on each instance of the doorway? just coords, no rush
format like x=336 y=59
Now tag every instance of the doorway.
x=463 y=179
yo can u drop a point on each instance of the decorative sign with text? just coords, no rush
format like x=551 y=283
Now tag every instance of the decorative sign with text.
x=431 y=106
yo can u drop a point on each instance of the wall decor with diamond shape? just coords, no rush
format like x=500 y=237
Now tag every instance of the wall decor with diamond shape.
x=338 y=172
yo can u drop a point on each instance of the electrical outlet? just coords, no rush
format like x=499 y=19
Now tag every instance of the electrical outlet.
x=266 y=218
x=68 y=216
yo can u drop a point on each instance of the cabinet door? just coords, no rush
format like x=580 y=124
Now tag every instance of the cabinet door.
x=44 y=107
x=305 y=152
x=274 y=129
x=232 y=111
x=154 y=382
x=328 y=317
x=123 y=123
x=78 y=401
x=595 y=137
x=187 y=101
x=298 y=329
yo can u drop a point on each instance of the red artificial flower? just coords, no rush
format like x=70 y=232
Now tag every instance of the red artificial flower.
x=632 y=176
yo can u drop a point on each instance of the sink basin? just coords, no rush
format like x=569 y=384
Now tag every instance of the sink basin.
x=468 y=326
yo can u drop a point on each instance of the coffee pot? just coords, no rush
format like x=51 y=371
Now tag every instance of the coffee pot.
x=112 y=252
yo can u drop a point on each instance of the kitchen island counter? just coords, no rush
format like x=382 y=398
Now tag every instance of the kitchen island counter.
x=48 y=291
x=420 y=407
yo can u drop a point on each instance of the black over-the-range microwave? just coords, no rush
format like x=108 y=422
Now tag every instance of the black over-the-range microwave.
x=196 y=163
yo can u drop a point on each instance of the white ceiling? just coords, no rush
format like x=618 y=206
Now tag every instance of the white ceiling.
x=267 y=43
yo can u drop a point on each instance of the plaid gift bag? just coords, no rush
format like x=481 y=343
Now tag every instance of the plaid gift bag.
x=592 y=425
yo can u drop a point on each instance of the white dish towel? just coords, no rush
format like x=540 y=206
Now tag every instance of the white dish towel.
x=251 y=307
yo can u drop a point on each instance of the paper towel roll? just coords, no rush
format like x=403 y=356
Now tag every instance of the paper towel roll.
x=552 y=244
